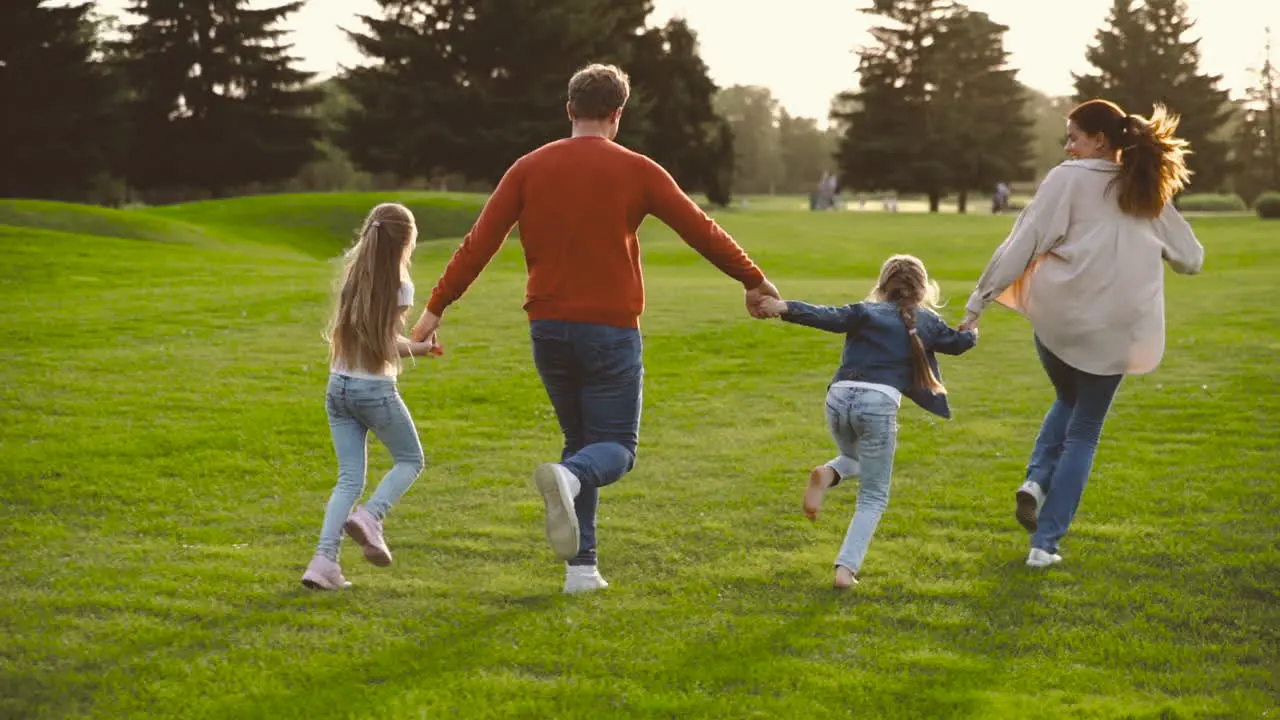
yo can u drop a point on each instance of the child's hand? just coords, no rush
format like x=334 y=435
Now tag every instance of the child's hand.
x=771 y=307
x=429 y=347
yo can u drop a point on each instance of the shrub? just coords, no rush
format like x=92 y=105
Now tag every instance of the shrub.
x=1208 y=202
x=1268 y=205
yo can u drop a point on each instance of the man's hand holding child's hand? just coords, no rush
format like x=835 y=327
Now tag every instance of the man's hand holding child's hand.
x=773 y=307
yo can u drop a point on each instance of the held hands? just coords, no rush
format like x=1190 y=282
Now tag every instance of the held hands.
x=970 y=322
x=426 y=348
x=760 y=295
x=773 y=307
x=425 y=339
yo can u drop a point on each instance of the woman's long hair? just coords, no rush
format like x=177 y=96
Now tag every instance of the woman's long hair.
x=1153 y=165
x=368 y=316
x=904 y=281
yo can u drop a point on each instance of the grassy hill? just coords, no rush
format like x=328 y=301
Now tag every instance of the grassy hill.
x=166 y=461
x=317 y=225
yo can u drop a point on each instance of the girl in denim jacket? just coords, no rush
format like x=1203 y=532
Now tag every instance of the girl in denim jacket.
x=366 y=343
x=890 y=340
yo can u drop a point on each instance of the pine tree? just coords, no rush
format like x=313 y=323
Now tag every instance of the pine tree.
x=217 y=102
x=978 y=104
x=1257 y=143
x=888 y=142
x=468 y=86
x=1142 y=59
x=936 y=108
x=59 y=120
x=683 y=131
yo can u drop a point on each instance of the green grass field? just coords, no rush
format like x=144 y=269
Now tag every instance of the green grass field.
x=166 y=461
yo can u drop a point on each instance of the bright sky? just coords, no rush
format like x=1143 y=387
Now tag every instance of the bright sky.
x=803 y=49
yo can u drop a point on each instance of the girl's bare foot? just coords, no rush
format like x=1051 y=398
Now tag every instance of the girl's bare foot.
x=845 y=578
x=819 y=480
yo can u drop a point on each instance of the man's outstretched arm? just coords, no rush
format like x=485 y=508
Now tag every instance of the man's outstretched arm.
x=669 y=204
x=493 y=226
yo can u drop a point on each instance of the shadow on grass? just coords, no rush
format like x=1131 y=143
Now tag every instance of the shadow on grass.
x=457 y=646
x=81 y=686
x=830 y=642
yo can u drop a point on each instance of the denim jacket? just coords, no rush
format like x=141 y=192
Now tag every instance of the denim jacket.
x=877 y=346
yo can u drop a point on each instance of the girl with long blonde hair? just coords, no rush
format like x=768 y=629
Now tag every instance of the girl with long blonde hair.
x=366 y=343
x=889 y=346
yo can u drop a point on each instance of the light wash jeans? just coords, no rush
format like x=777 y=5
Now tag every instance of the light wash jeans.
x=356 y=406
x=594 y=376
x=864 y=424
x=1063 y=454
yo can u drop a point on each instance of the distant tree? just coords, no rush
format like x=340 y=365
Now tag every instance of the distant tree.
x=752 y=113
x=1049 y=129
x=889 y=142
x=59 y=103
x=468 y=86
x=1141 y=59
x=333 y=169
x=936 y=108
x=216 y=102
x=683 y=133
x=978 y=105
x=1257 y=143
x=719 y=184
x=807 y=152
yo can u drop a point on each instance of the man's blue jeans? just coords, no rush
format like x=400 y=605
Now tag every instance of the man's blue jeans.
x=594 y=375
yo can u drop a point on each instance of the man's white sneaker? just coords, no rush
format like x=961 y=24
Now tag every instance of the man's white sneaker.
x=558 y=487
x=1030 y=499
x=582 y=578
x=1040 y=558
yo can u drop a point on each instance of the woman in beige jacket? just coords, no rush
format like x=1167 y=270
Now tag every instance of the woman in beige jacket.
x=1084 y=264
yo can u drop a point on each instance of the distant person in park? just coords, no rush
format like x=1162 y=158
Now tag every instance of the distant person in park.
x=365 y=347
x=1000 y=198
x=889 y=345
x=579 y=202
x=827 y=189
x=1084 y=264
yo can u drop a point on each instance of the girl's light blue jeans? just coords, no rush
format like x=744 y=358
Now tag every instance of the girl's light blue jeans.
x=356 y=406
x=864 y=425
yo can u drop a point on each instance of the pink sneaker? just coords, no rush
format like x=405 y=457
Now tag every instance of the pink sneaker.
x=324 y=574
x=366 y=530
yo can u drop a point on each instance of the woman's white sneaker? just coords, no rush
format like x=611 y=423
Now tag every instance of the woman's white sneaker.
x=1040 y=558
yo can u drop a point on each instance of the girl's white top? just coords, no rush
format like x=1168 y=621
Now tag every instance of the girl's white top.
x=1088 y=276
x=392 y=369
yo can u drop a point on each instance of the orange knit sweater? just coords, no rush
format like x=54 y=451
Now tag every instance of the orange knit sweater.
x=578 y=202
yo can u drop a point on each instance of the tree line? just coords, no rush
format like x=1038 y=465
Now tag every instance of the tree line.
x=203 y=98
x=938 y=111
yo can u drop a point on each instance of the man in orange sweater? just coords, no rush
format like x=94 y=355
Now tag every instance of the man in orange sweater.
x=579 y=202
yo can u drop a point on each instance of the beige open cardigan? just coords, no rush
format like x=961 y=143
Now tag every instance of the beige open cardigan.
x=1088 y=276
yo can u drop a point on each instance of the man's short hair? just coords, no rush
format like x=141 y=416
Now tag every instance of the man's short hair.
x=597 y=91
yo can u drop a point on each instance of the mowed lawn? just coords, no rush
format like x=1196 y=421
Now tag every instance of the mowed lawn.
x=165 y=463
